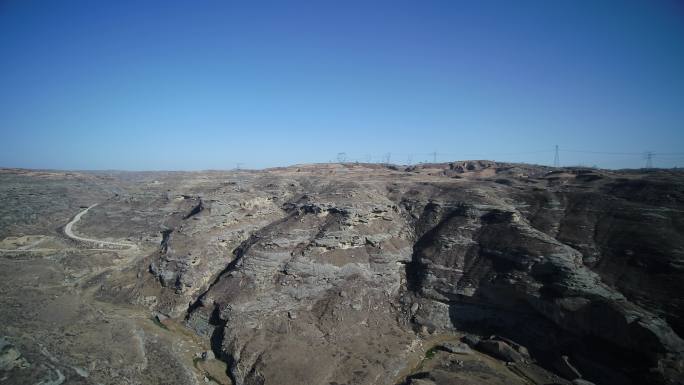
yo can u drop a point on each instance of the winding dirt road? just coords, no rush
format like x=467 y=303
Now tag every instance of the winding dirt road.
x=68 y=230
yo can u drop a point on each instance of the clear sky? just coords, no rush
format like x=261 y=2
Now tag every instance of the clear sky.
x=141 y=85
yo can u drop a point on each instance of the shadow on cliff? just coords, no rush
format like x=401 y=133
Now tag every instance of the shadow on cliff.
x=496 y=309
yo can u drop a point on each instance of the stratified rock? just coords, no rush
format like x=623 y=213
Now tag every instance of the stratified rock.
x=342 y=272
x=500 y=350
x=456 y=348
x=471 y=340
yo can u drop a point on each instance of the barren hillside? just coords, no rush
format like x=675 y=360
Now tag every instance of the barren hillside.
x=471 y=272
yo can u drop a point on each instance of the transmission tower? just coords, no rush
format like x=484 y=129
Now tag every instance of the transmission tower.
x=341 y=157
x=409 y=160
x=387 y=158
x=556 y=161
x=649 y=159
x=434 y=157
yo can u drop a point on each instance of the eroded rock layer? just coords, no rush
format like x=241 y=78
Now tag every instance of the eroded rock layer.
x=469 y=272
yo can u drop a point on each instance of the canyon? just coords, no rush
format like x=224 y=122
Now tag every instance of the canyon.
x=470 y=272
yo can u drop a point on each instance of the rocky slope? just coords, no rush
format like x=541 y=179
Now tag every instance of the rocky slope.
x=468 y=272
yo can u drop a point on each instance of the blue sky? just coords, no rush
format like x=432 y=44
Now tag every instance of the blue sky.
x=144 y=85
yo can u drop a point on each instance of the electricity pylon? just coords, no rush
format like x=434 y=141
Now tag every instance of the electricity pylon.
x=556 y=161
x=341 y=157
x=649 y=159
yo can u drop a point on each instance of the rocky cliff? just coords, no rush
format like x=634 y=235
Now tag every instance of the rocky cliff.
x=334 y=274
x=460 y=273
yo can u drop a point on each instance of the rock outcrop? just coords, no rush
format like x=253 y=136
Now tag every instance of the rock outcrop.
x=354 y=265
x=472 y=272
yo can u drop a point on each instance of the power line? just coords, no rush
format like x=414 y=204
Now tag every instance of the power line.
x=498 y=153
x=603 y=152
x=670 y=157
x=386 y=158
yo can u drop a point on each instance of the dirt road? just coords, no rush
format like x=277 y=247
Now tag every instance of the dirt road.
x=68 y=230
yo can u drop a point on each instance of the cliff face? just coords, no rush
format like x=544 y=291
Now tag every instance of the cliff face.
x=560 y=270
x=342 y=271
x=471 y=272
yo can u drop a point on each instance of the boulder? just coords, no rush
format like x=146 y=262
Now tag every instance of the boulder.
x=471 y=340
x=161 y=317
x=500 y=350
x=10 y=357
x=456 y=348
x=208 y=355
